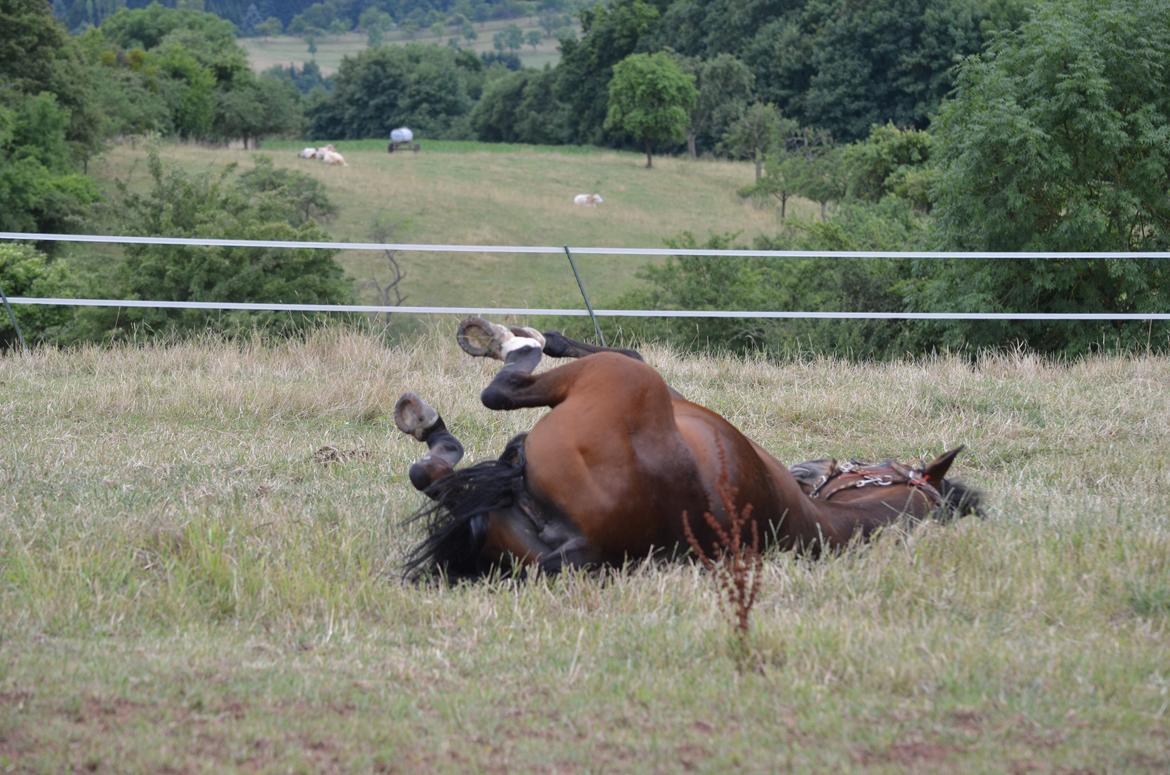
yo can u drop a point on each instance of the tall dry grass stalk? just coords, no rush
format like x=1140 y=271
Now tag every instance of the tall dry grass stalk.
x=735 y=565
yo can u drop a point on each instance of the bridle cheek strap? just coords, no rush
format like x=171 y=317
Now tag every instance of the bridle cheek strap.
x=852 y=475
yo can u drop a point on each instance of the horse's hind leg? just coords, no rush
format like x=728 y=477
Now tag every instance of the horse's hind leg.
x=415 y=417
x=557 y=345
x=520 y=349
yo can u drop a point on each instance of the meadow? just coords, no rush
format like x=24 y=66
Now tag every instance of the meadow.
x=199 y=548
x=286 y=50
x=485 y=194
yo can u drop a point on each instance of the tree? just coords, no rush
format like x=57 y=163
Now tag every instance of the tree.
x=511 y=38
x=270 y=27
x=756 y=134
x=519 y=107
x=295 y=196
x=40 y=191
x=814 y=170
x=842 y=65
x=251 y=20
x=1058 y=138
x=611 y=32
x=650 y=98
x=375 y=22
x=890 y=161
x=424 y=87
x=725 y=89
x=257 y=107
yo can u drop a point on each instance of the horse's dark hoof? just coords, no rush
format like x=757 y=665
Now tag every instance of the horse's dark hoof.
x=479 y=338
x=414 y=416
x=483 y=339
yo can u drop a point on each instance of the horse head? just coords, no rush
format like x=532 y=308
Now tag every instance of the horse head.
x=923 y=490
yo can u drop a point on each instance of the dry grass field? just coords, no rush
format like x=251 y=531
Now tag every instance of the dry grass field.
x=199 y=546
x=481 y=194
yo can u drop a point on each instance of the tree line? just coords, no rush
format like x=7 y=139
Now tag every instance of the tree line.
x=274 y=17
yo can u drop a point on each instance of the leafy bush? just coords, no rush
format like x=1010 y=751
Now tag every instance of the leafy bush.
x=25 y=271
x=1058 y=139
x=805 y=284
x=262 y=204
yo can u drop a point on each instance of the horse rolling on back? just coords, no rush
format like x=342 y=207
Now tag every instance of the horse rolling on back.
x=607 y=475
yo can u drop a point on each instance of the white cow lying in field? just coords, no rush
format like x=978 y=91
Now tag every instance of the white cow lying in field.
x=329 y=155
x=589 y=200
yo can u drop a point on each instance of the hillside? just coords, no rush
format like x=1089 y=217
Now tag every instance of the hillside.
x=285 y=50
x=471 y=193
x=191 y=581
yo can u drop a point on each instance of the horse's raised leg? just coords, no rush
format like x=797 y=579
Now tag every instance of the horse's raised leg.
x=557 y=345
x=415 y=417
x=520 y=349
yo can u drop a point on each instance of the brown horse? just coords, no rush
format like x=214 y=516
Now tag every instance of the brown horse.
x=608 y=473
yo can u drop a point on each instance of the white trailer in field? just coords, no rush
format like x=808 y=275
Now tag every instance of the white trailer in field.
x=402 y=139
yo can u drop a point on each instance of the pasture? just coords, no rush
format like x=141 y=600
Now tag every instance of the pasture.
x=199 y=543
x=284 y=50
x=477 y=193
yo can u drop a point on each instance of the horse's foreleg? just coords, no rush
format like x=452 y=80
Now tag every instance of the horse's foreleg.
x=415 y=417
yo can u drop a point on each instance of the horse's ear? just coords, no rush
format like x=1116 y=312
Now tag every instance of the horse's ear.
x=936 y=469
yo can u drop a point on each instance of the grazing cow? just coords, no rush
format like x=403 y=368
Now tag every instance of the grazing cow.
x=588 y=200
x=308 y=153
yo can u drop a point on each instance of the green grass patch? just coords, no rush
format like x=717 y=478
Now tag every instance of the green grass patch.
x=186 y=584
x=478 y=193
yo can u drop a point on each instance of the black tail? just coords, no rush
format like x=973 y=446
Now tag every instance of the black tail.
x=456 y=521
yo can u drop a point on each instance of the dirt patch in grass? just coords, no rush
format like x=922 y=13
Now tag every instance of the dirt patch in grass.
x=912 y=755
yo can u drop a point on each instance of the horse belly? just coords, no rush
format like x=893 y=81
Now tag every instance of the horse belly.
x=731 y=472
x=625 y=493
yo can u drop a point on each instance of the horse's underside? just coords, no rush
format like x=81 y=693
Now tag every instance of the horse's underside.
x=621 y=464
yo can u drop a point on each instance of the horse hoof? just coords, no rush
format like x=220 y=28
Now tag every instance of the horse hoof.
x=479 y=338
x=414 y=416
x=483 y=339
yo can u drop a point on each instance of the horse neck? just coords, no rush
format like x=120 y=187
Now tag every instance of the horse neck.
x=835 y=524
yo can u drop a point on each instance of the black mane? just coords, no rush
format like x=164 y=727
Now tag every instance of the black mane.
x=455 y=521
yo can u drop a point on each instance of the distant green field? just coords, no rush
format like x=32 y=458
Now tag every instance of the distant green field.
x=284 y=50
x=483 y=194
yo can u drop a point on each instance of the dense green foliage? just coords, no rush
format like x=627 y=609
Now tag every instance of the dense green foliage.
x=1059 y=139
x=249 y=16
x=428 y=88
x=46 y=122
x=261 y=204
x=181 y=72
x=25 y=271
